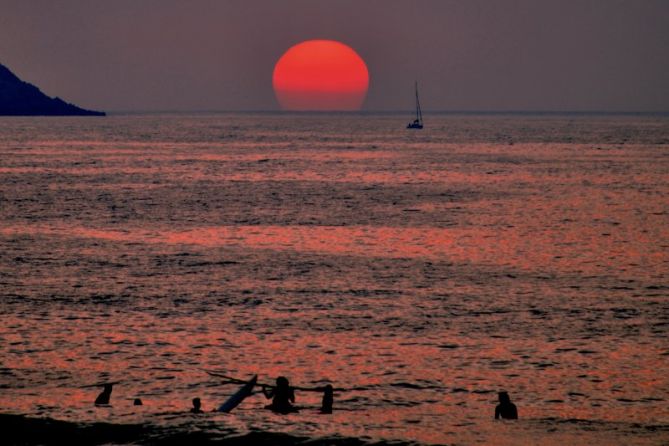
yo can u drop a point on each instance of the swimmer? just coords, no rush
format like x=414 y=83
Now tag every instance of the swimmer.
x=196 y=406
x=328 y=399
x=282 y=396
x=505 y=410
x=103 y=398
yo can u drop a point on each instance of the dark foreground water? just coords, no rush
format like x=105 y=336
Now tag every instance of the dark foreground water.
x=418 y=272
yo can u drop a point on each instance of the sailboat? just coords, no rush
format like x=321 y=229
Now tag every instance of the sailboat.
x=418 y=122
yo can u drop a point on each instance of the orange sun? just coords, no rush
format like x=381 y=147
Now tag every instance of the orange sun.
x=322 y=75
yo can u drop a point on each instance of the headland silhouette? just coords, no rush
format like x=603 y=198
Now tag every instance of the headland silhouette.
x=19 y=98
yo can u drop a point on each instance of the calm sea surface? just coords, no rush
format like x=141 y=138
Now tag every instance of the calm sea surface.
x=419 y=272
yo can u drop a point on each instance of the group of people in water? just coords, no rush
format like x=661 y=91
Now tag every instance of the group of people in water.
x=281 y=394
x=283 y=400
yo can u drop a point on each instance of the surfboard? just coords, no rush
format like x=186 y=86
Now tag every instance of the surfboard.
x=239 y=396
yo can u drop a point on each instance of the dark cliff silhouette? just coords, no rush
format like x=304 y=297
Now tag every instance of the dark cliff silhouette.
x=18 y=98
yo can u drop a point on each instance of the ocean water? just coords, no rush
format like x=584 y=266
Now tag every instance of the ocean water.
x=418 y=272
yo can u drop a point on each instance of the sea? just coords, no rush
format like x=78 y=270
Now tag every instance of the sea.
x=419 y=272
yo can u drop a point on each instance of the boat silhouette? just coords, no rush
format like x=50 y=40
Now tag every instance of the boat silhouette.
x=418 y=122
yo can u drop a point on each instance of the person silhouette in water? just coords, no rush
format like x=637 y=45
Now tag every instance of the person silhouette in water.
x=103 y=398
x=505 y=409
x=282 y=396
x=328 y=399
x=196 y=406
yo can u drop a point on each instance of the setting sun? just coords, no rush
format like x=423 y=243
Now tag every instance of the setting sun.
x=320 y=75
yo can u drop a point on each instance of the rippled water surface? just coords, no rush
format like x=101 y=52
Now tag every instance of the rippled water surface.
x=418 y=272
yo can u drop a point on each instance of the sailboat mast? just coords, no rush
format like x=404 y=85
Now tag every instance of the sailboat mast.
x=418 y=122
x=419 y=113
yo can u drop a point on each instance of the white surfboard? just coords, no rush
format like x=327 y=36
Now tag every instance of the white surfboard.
x=239 y=396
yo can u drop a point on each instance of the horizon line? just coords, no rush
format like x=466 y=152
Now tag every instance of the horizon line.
x=396 y=112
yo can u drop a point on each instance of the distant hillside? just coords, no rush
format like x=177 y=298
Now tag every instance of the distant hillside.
x=18 y=98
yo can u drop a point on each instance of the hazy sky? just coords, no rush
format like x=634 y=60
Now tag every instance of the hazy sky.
x=466 y=55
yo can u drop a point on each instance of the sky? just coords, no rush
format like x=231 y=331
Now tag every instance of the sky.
x=467 y=55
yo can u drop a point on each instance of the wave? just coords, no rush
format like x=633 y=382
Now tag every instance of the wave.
x=26 y=431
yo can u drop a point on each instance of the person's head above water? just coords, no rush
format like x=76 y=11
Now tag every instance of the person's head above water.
x=108 y=388
x=196 y=405
x=282 y=381
x=504 y=397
